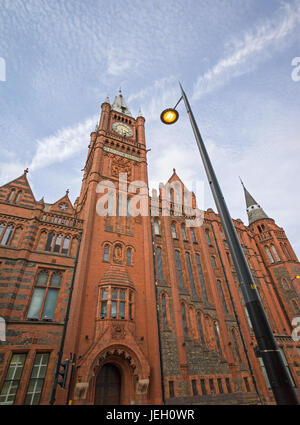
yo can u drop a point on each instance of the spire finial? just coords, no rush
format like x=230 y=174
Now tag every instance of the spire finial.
x=174 y=171
x=26 y=171
x=67 y=192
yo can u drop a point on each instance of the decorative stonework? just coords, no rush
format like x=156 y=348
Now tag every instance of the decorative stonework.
x=121 y=165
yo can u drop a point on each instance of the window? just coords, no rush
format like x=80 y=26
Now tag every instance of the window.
x=18 y=197
x=183 y=232
x=37 y=379
x=2 y=226
x=208 y=237
x=295 y=305
x=179 y=269
x=228 y=386
x=201 y=278
x=164 y=310
x=285 y=284
x=216 y=331
x=213 y=260
x=203 y=388
x=236 y=346
x=11 y=195
x=128 y=256
x=200 y=328
x=7 y=235
x=173 y=230
x=43 y=301
x=222 y=296
x=275 y=253
x=12 y=379
x=228 y=258
x=49 y=241
x=212 y=386
x=171 y=389
x=269 y=255
x=247 y=384
x=66 y=245
x=106 y=253
x=156 y=227
x=160 y=275
x=114 y=303
x=193 y=235
x=192 y=284
x=58 y=243
x=219 y=380
x=194 y=387
x=183 y=313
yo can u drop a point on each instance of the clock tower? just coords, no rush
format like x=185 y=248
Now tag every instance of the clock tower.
x=112 y=331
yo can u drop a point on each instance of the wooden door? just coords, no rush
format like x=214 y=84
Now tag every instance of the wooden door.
x=108 y=385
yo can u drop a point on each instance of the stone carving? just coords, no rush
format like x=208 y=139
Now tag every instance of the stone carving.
x=80 y=390
x=118 y=254
x=118 y=332
x=121 y=165
x=142 y=386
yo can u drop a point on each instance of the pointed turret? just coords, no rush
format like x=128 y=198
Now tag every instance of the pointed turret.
x=254 y=210
x=119 y=105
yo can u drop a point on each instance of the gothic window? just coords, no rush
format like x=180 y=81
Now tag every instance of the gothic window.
x=200 y=329
x=213 y=260
x=7 y=235
x=66 y=245
x=220 y=386
x=247 y=384
x=49 y=241
x=194 y=387
x=201 y=278
x=275 y=253
x=179 y=269
x=156 y=227
x=171 y=389
x=37 y=378
x=2 y=226
x=193 y=235
x=129 y=256
x=164 y=310
x=114 y=303
x=183 y=232
x=228 y=386
x=285 y=284
x=228 y=258
x=58 y=243
x=160 y=274
x=11 y=195
x=12 y=379
x=191 y=277
x=208 y=237
x=222 y=296
x=43 y=301
x=203 y=387
x=269 y=255
x=236 y=346
x=295 y=305
x=212 y=386
x=104 y=295
x=173 y=230
x=17 y=197
x=130 y=305
x=217 y=336
x=106 y=253
x=183 y=313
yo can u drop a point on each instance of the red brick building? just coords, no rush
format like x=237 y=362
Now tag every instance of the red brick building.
x=156 y=314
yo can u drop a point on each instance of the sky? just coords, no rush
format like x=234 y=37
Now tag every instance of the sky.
x=236 y=59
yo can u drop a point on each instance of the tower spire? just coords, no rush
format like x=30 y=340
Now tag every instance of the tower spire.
x=254 y=210
x=120 y=105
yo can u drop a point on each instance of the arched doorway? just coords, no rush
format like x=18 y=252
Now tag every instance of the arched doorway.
x=108 y=385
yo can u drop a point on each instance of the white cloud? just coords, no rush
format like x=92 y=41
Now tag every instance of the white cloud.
x=248 y=51
x=63 y=144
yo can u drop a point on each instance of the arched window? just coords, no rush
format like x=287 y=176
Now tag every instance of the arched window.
x=191 y=277
x=193 y=235
x=160 y=274
x=128 y=256
x=106 y=253
x=55 y=279
x=183 y=313
x=173 y=230
x=201 y=277
x=236 y=345
x=58 y=243
x=275 y=253
x=213 y=260
x=11 y=195
x=269 y=255
x=183 y=232
x=7 y=235
x=49 y=241
x=179 y=269
x=200 y=329
x=156 y=227
x=222 y=296
x=217 y=336
x=17 y=197
x=164 y=310
x=208 y=237
x=66 y=245
x=295 y=305
x=285 y=284
x=2 y=226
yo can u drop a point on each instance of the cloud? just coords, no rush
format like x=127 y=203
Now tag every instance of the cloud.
x=63 y=144
x=248 y=51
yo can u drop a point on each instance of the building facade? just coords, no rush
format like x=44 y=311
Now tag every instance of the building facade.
x=148 y=308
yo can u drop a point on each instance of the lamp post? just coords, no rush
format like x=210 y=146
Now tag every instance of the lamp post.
x=280 y=382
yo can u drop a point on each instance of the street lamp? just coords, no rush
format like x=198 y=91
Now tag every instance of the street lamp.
x=280 y=382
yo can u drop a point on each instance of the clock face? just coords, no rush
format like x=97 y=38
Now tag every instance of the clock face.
x=122 y=129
